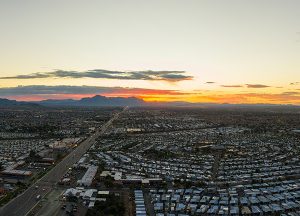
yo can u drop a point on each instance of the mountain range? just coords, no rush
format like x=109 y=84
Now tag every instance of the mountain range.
x=13 y=103
x=100 y=101
x=97 y=100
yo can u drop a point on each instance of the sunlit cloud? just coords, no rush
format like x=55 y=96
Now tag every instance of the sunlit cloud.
x=247 y=86
x=244 y=98
x=291 y=93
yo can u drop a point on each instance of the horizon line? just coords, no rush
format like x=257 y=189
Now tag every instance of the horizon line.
x=155 y=102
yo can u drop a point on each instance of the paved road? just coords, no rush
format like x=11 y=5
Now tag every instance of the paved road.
x=51 y=205
x=22 y=204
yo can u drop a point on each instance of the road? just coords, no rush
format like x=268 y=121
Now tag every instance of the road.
x=22 y=204
x=50 y=205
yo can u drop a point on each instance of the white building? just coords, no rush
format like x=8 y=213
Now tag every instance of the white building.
x=88 y=177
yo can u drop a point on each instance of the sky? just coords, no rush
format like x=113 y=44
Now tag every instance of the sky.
x=232 y=51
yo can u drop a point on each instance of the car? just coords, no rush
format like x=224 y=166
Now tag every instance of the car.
x=38 y=197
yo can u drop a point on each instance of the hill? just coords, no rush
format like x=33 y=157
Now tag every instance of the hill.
x=97 y=100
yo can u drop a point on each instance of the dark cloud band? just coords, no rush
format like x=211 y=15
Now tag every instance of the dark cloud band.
x=170 y=76
x=257 y=86
x=63 y=89
x=232 y=86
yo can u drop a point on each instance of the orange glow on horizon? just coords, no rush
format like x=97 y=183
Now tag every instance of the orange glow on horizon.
x=169 y=96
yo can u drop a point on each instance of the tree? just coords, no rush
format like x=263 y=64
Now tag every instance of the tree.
x=112 y=206
x=59 y=156
x=108 y=181
x=33 y=156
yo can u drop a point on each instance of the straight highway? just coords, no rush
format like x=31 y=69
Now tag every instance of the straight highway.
x=22 y=204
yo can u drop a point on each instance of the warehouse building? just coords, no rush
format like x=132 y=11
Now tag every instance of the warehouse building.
x=88 y=177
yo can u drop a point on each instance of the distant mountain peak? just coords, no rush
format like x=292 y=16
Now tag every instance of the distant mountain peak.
x=97 y=100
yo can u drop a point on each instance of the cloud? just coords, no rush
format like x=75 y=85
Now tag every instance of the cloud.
x=232 y=86
x=294 y=83
x=209 y=82
x=170 y=76
x=290 y=93
x=257 y=86
x=246 y=85
x=41 y=92
x=275 y=98
x=42 y=89
x=249 y=98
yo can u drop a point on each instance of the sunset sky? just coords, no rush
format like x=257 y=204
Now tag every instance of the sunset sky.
x=230 y=51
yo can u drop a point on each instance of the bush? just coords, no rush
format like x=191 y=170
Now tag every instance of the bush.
x=113 y=206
